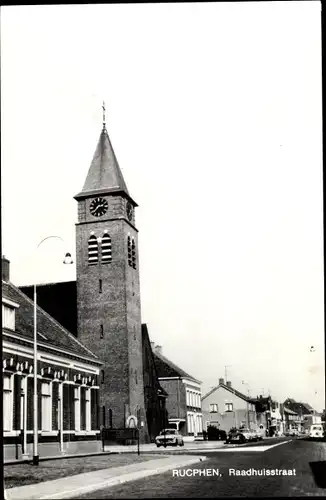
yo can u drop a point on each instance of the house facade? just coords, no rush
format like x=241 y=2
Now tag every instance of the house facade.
x=183 y=403
x=67 y=379
x=303 y=412
x=290 y=419
x=225 y=407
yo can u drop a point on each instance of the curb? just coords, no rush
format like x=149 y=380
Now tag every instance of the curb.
x=63 y=456
x=109 y=483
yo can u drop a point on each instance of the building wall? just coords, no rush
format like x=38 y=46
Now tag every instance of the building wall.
x=221 y=397
x=176 y=400
x=57 y=377
x=241 y=414
x=226 y=420
x=116 y=307
x=155 y=405
x=180 y=405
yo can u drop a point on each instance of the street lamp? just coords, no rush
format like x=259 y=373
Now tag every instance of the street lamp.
x=67 y=260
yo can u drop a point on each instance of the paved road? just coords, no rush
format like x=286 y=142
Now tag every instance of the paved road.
x=290 y=455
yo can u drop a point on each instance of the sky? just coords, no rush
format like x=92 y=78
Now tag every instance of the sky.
x=214 y=111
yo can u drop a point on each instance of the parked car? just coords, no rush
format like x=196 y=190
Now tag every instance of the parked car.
x=214 y=433
x=241 y=436
x=317 y=431
x=293 y=432
x=258 y=434
x=169 y=437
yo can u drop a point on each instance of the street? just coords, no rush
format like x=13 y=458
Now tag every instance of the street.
x=285 y=455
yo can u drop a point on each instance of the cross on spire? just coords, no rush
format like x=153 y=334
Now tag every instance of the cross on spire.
x=103 y=108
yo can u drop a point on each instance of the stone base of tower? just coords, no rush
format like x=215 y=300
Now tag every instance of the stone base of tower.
x=123 y=417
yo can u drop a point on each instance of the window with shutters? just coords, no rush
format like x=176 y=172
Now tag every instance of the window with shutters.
x=106 y=249
x=46 y=411
x=92 y=250
x=7 y=402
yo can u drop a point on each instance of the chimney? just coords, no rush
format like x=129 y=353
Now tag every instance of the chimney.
x=158 y=349
x=5 y=269
x=221 y=380
x=228 y=383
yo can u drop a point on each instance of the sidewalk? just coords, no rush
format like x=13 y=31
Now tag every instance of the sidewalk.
x=73 y=486
x=145 y=448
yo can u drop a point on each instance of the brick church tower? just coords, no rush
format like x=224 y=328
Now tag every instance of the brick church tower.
x=108 y=291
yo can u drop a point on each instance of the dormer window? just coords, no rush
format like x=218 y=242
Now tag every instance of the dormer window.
x=8 y=317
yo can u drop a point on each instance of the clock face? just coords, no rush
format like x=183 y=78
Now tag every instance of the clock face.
x=129 y=211
x=98 y=207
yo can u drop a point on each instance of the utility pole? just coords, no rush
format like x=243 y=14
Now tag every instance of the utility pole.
x=248 y=419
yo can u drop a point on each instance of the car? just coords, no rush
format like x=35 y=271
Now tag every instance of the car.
x=169 y=437
x=293 y=432
x=317 y=431
x=259 y=434
x=242 y=436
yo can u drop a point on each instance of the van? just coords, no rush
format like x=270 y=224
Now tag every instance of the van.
x=316 y=431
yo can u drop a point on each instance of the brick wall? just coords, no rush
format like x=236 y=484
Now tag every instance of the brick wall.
x=176 y=401
x=117 y=308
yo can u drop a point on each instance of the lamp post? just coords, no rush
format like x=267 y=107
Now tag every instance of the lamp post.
x=67 y=260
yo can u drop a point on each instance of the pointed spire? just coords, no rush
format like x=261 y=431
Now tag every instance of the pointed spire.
x=104 y=174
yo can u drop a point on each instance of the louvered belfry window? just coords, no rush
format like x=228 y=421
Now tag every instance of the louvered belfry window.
x=106 y=249
x=133 y=253
x=92 y=250
x=129 y=251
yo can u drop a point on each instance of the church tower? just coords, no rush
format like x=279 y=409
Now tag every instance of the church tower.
x=108 y=291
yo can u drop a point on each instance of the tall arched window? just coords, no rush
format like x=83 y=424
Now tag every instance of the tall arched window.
x=92 y=250
x=106 y=249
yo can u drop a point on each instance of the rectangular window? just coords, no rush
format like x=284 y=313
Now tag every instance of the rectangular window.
x=88 y=409
x=187 y=398
x=102 y=377
x=46 y=412
x=102 y=332
x=228 y=406
x=8 y=317
x=213 y=408
x=100 y=286
x=7 y=403
x=77 y=407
